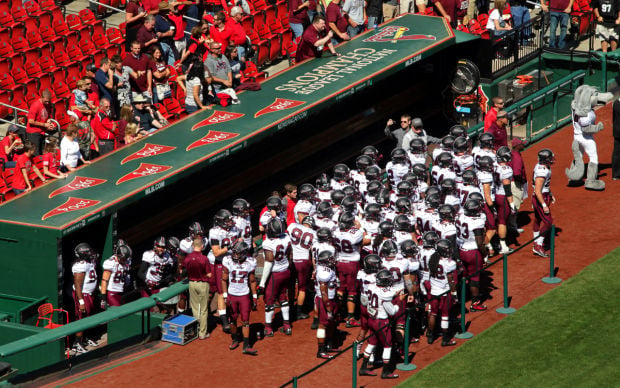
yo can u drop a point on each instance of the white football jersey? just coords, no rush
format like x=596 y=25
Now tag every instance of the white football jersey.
x=439 y=283
x=502 y=171
x=324 y=195
x=452 y=200
x=400 y=236
x=478 y=152
x=305 y=207
x=90 y=275
x=360 y=182
x=444 y=229
x=318 y=247
x=464 y=192
x=426 y=219
x=323 y=222
x=378 y=298
x=244 y=226
x=266 y=217
x=365 y=280
x=460 y=163
x=117 y=276
x=466 y=226
x=398 y=267
x=424 y=257
x=302 y=239
x=157 y=265
x=281 y=248
x=187 y=244
x=338 y=185
x=542 y=171
x=396 y=171
x=348 y=243
x=439 y=150
x=222 y=238
x=238 y=275
x=328 y=276
x=485 y=177
x=416 y=158
x=441 y=173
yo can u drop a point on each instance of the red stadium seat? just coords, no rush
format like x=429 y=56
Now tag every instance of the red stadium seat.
x=88 y=17
x=247 y=22
x=61 y=57
x=19 y=75
x=260 y=5
x=19 y=13
x=20 y=43
x=33 y=70
x=49 y=5
x=33 y=9
x=74 y=52
x=61 y=89
x=46 y=82
x=72 y=81
x=173 y=106
x=13 y=57
x=4 y=98
x=6 y=191
x=60 y=27
x=164 y=112
x=115 y=36
x=48 y=34
x=262 y=54
x=35 y=41
x=7 y=21
x=32 y=91
x=101 y=42
x=74 y=23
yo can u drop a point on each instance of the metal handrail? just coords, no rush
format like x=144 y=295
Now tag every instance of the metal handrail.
x=123 y=11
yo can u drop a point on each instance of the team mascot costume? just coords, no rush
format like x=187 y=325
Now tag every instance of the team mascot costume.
x=584 y=128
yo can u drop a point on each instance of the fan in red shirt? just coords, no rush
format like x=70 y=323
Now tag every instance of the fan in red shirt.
x=21 y=180
x=237 y=33
x=314 y=39
x=50 y=161
x=8 y=145
x=219 y=30
x=197 y=44
x=104 y=127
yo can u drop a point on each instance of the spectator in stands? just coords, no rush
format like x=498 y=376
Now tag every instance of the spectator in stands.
x=491 y=116
x=39 y=124
x=21 y=180
x=197 y=45
x=373 y=12
x=298 y=16
x=355 y=15
x=220 y=72
x=134 y=18
x=145 y=116
x=218 y=31
x=104 y=127
x=165 y=31
x=498 y=129
x=141 y=72
x=50 y=160
x=194 y=83
x=607 y=13
x=390 y=9
x=86 y=137
x=125 y=118
x=336 y=21
x=313 y=40
x=123 y=88
x=79 y=102
x=93 y=89
x=289 y=201
x=559 y=11
x=236 y=66
x=106 y=82
x=161 y=73
x=179 y=24
x=520 y=15
x=70 y=155
x=496 y=23
x=238 y=36
x=447 y=9
x=131 y=133
x=147 y=36
x=212 y=7
x=8 y=145
x=405 y=6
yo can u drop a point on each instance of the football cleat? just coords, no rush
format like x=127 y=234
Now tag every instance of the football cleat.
x=324 y=355
x=250 y=351
x=314 y=325
x=286 y=330
x=391 y=375
x=303 y=316
x=233 y=345
x=506 y=251
x=448 y=343
x=351 y=322
x=430 y=338
x=477 y=307
x=366 y=372
x=268 y=332
x=78 y=348
x=538 y=250
x=92 y=343
x=331 y=348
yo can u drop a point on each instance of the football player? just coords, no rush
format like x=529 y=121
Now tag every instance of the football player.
x=324 y=216
x=348 y=240
x=443 y=168
x=387 y=212
x=541 y=200
x=274 y=209
x=429 y=243
x=463 y=160
x=449 y=194
x=358 y=177
x=276 y=276
x=222 y=236
x=429 y=216
x=470 y=228
x=341 y=177
x=115 y=270
x=366 y=278
x=370 y=225
x=443 y=278
x=373 y=152
x=305 y=204
x=302 y=237
x=403 y=229
x=487 y=189
x=468 y=186
x=156 y=270
x=417 y=151
x=325 y=300
x=195 y=230
x=84 y=285
x=380 y=308
x=397 y=167
x=241 y=211
x=446 y=145
x=486 y=147
x=503 y=195
x=323 y=188
x=238 y=279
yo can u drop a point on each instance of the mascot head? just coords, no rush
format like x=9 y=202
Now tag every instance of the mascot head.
x=586 y=98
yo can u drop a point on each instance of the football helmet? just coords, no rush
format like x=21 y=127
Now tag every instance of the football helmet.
x=411 y=178
x=399 y=155
x=485 y=163
x=346 y=221
x=373 y=188
x=172 y=245
x=487 y=140
x=351 y=191
x=504 y=154
x=322 y=182
x=123 y=253
x=421 y=171
x=460 y=145
x=417 y=146
x=430 y=190
x=444 y=248
x=402 y=223
x=327 y=259
x=196 y=229
x=337 y=196
x=404 y=188
x=447 y=142
x=445 y=160
x=472 y=207
x=388 y=249
x=546 y=157
x=429 y=239
x=386 y=229
x=341 y=172
x=403 y=205
x=372 y=212
x=373 y=152
x=275 y=228
x=324 y=209
x=240 y=207
x=448 y=186
x=372 y=263
x=363 y=162
x=223 y=219
x=446 y=213
x=384 y=278
x=83 y=251
x=458 y=130
x=470 y=178
x=309 y=220
x=477 y=196
x=307 y=192
x=409 y=248
x=432 y=201
x=160 y=242
x=324 y=235
x=349 y=204
x=240 y=252
x=121 y=243
x=372 y=173
x=383 y=198
x=274 y=203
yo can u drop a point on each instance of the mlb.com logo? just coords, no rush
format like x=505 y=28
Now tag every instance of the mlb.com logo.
x=395 y=33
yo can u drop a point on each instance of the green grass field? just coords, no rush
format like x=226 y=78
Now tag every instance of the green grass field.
x=568 y=337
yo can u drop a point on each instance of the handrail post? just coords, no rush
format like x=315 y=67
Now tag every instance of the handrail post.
x=552 y=279
x=464 y=334
x=294 y=381
x=354 y=364
x=555 y=109
x=405 y=365
x=506 y=309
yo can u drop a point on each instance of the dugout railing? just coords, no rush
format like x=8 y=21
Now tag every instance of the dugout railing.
x=462 y=332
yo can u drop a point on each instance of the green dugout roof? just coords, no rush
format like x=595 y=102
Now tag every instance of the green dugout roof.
x=201 y=139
